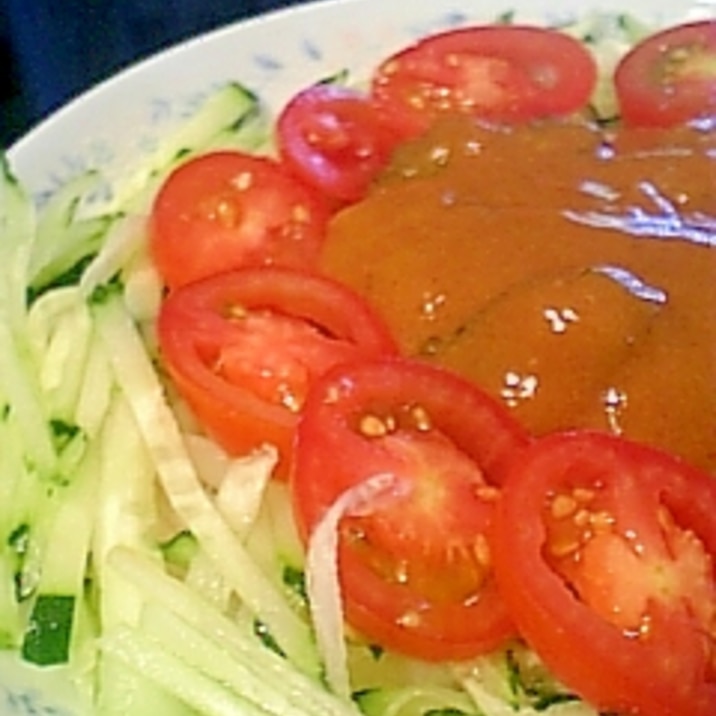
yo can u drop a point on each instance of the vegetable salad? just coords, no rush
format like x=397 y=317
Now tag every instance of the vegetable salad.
x=168 y=568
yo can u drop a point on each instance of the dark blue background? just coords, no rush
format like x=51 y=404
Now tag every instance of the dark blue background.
x=51 y=50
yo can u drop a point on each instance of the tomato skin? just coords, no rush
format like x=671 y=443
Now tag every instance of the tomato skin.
x=437 y=528
x=203 y=326
x=669 y=670
x=228 y=209
x=670 y=77
x=500 y=73
x=336 y=140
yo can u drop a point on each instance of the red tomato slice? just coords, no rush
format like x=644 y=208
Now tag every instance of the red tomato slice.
x=243 y=348
x=225 y=210
x=610 y=576
x=415 y=570
x=502 y=73
x=670 y=77
x=336 y=140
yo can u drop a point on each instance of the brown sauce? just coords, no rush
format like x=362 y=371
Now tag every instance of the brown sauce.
x=571 y=272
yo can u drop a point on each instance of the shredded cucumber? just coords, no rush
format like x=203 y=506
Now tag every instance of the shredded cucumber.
x=57 y=252
x=59 y=593
x=142 y=388
x=230 y=116
x=609 y=36
x=65 y=418
x=18 y=224
x=415 y=701
x=273 y=671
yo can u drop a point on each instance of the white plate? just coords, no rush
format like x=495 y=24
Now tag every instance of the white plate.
x=111 y=126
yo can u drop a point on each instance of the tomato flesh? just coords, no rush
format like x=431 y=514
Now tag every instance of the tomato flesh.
x=670 y=77
x=508 y=73
x=243 y=348
x=278 y=354
x=336 y=140
x=226 y=210
x=442 y=514
x=616 y=549
x=446 y=445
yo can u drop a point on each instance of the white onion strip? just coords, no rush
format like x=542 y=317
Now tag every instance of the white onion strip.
x=322 y=582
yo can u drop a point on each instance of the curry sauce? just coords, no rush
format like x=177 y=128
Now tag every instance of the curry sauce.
x=568 y=270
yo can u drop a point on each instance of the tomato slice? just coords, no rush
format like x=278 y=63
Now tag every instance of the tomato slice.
x=670 y=77
x=227 y=209
x=243 y=348
x=611 y=575
x=415 y=569
x=336 y=140
x=502 y=73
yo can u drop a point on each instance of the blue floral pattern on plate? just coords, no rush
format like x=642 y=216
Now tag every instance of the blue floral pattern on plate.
x=113 y=125
x=27 y=691
x=23 y=703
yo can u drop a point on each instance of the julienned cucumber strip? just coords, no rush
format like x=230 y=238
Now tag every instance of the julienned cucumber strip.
x=253 y=132
x=168 y=594
x=19 y=389
x=47 y=640
x=96 y=391
x=59 y=331
x=497 y=689
x=18 y=490
x=17 y=229
x=126 y=515
x=126 y=510
x=45 y=380
x=139 y=382
x=217 y=662
x=231 y=115
x=63 y=238
x=608 y=36
x=64 y=552
x=10 y=619
x=180 y=550
x=122 y=243
x=407 y=700
x=203 y=694
x=59 y=507
x=75 y=222
x=131 y=692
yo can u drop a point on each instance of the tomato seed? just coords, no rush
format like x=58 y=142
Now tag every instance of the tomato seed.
x=563 y=506
x=333 y=395
x=564 y=548
x=353 y=533
x=401 y=573
x=243 y=181
x=481 y=550
x=487 y=493
x=583 y=518
x=289 y=399
x=236 y=311
x=300 y=214
x=684 y=61
x=410 y=620
x=601 y=521
x=373 y=427
x=583 y=495
x=417 y=102
x=421 y=418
